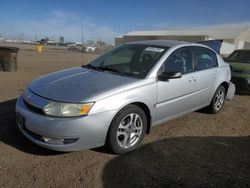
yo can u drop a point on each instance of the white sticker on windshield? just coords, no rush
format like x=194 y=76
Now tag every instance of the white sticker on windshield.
x=154 y=49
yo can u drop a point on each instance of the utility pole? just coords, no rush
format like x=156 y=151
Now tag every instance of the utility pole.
x=82 y=38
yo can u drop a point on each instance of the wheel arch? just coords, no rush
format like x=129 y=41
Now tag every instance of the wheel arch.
x=145 y=108
x=141 y=105
x=226 y=85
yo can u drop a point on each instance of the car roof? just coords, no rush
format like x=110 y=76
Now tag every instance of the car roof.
x=163 y=43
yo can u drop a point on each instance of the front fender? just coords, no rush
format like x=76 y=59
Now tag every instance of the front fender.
x=144 y=94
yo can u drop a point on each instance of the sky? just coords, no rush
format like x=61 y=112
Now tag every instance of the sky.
x=104 y=20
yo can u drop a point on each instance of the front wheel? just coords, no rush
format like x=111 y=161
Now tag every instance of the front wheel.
x=218 y=100
x=127 y=129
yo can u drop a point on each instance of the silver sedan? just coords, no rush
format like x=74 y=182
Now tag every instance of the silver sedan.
x=121 y=95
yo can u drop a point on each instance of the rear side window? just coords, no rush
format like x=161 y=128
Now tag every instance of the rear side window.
x=205 y=58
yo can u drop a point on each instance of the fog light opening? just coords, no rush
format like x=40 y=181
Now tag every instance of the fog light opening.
x=59 y=141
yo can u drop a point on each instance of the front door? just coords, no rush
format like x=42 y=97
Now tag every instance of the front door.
x=177 y=96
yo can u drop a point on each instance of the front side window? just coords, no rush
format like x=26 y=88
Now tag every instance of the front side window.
x=179 y=61
x=133 y=60
x=205 y=58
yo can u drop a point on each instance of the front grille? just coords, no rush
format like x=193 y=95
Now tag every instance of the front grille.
x=33 y=108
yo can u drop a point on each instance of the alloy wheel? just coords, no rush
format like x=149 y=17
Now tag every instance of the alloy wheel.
x=219 y=99
x=129 y=130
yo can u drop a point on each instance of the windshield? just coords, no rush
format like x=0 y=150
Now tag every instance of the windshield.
x=239 y=56
x=132 y=60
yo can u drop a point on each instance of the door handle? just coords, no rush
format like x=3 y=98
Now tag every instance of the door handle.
x=192 y=79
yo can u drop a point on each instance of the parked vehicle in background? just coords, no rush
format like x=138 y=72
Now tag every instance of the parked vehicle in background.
x=239 y=61
x=119 y=96
x=90 y=48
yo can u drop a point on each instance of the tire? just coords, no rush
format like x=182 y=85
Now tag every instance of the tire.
x=218 y=100
x=127 y=130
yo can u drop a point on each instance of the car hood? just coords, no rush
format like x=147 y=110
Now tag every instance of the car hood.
x=77 y=84
x=240 y=66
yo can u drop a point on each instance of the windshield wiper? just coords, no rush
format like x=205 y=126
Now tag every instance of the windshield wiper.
x=89 y=66
x=101 y=68
x=109 y=69
x=115 y=70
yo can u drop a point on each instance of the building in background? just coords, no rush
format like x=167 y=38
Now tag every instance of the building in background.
x=233 y=38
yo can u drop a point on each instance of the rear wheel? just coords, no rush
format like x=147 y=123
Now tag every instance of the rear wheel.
x=127 y=129
x=218 y=100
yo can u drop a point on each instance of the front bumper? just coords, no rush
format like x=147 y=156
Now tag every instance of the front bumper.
x=83 y=132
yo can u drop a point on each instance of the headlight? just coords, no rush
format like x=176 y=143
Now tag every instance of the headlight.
x=67 y=109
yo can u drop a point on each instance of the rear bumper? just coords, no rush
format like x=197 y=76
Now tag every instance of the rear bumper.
x=230 y=91
x=79 y=133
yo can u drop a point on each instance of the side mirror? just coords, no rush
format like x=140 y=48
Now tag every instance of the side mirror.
x=169 y=75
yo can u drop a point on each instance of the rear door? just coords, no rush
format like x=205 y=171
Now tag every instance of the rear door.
x=176 y=96
x=206 y=66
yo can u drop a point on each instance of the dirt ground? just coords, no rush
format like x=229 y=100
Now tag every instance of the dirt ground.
x=198 y=150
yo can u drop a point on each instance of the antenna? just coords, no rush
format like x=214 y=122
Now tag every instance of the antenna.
x=82 y=38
